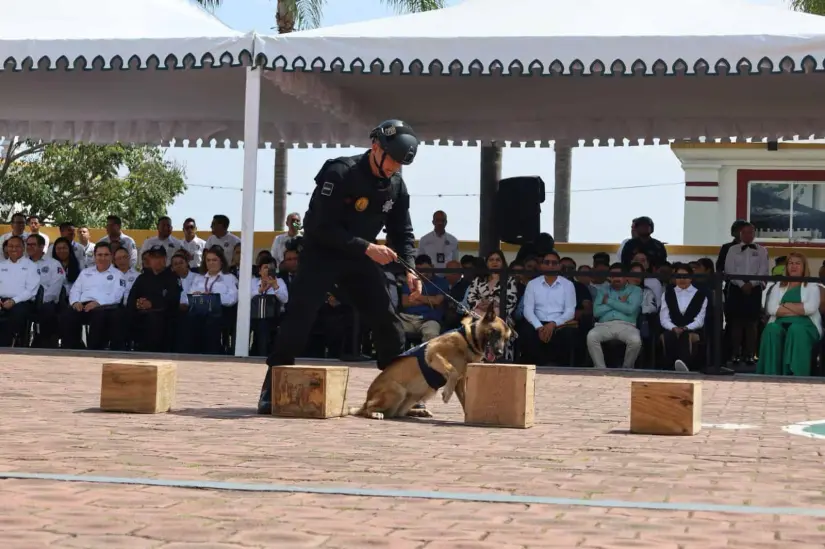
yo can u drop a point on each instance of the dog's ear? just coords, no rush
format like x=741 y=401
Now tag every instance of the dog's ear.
x=491 y=313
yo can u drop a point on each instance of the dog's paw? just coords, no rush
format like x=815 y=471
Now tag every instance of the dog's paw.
x=446 y=396
x=377 y=415
x=419 y=412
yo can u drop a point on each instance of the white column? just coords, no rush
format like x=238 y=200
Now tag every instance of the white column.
x=701 y=223
x=252 y=113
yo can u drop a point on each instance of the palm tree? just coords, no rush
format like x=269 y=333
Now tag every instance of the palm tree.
x=306 y=14
x=210 y=4
x=816 y=7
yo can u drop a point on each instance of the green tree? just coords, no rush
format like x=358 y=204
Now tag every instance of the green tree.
x=816 y=7
x=306 y=14
x=84 y=183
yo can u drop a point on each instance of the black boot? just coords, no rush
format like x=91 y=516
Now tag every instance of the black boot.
x=265 y=400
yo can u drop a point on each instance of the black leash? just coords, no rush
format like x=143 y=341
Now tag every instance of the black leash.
x=461 y=307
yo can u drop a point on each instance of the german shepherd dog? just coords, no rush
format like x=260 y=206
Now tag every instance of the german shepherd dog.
x=416 y=375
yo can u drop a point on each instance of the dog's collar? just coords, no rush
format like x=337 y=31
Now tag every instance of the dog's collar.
x=471 y=339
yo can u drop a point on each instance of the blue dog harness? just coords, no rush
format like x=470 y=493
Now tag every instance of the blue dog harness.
x=434 y=378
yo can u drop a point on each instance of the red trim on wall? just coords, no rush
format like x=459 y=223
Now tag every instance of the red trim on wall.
x=744 y=177
x=701 y=199
x=702 y=184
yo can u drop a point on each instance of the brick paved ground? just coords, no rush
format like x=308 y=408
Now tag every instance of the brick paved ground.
x=578 y=449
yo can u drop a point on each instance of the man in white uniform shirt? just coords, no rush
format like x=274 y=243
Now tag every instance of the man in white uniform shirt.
x=85 y=240
x=52 y=278
x=440 y=245
x=34 y=228
x=192 y=244
x=18 y=228
x=293 y=228
x=94 y=300
x=222 y=237
x=164 y=238
x=19 y=283
x=115 y=236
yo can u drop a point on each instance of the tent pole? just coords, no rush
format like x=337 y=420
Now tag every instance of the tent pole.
x=252 y=113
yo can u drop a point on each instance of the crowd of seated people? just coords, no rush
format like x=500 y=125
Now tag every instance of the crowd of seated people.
x=172 y=295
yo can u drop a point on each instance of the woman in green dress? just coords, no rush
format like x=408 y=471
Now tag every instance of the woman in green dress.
x=795 y=325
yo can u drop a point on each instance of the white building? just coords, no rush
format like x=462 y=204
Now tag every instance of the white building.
x=781 y=190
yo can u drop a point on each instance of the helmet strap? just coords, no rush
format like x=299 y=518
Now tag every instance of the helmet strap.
x=380 y=165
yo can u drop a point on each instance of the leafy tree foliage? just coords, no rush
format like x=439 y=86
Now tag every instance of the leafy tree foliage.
x=84 y=183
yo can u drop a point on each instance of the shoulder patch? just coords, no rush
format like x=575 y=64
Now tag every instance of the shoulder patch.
x=326 y=190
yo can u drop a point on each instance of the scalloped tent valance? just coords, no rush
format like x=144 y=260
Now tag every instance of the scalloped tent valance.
x=543 y=70
x=122 y=70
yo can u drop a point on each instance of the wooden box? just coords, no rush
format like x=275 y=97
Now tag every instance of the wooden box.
x=500 y=395
x=309 y=391
x=138 y=386
x=659 y=407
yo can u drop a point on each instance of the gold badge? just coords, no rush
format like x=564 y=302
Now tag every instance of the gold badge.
x=362 y=203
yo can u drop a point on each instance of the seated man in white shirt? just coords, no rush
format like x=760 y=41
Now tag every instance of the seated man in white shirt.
x=682 y=317
x=115 y=236
x=221 y=236
x=19 y=283
x=549 y=303
x=94 y=300
x=293 y=230
x=52 y=279
x=164 y=238
x=34 y=228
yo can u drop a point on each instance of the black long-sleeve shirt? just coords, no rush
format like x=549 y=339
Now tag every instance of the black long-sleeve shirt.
x=162 y=290
x=350 y=206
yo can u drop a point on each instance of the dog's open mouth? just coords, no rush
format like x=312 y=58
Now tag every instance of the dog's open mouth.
x=489 y=354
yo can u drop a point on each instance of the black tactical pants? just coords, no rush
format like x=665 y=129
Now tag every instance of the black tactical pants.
x=362 y=280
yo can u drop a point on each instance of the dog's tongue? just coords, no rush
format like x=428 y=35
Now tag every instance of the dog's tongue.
x=489 y=355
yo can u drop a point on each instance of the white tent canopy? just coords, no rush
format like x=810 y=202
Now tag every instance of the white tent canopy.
x=539 y=70
x=109 y=70
x=103 y=71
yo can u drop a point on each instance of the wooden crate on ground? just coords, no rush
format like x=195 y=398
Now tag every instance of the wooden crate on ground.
x=665 y=407
x=500 y=395
x=309 y=391
x=138 y=386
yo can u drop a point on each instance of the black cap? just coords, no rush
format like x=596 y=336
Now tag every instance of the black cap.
x=397 y=139
x=158 y=249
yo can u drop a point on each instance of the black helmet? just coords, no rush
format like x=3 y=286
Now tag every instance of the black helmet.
x=397 y=139
x=737 y=226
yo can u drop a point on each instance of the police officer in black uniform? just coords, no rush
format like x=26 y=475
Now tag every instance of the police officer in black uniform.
x=354 y=198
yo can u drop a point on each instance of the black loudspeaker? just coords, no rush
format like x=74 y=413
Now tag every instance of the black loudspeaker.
x=518 y=208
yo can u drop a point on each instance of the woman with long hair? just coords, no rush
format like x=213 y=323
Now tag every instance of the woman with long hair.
x=485 y=290
x=795 y=324
x=62 y=252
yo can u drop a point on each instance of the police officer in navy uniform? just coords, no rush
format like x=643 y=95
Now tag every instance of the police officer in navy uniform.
x=354 y=198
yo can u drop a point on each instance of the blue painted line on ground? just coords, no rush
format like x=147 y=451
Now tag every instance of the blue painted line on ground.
x=422 y=494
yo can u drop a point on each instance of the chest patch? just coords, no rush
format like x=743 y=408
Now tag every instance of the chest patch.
x=362 y=203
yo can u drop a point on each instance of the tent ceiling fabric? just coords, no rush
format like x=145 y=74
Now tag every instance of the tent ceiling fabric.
x=40 y=32
x=548 y=70
x=109 y=70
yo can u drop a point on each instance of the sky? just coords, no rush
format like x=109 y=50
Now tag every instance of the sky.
x=610 y=185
